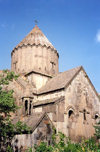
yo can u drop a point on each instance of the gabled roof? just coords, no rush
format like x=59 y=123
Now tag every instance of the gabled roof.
x=29 y=89
x=31 y=121
x=37 y=72
x=35 y=120
x=60 y=81
x=21 y=88
x=35 y=37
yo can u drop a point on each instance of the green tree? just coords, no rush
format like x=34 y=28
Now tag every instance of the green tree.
x=7 y=105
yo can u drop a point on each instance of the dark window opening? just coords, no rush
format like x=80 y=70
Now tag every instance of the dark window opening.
x=84 y=114
x=70 y=113
x=48 y=129
x=15 y=65
x=26 y=106
x=53 y=66
x=55 y=131
x=49 y=142
x=30 y=107
x=96 y=116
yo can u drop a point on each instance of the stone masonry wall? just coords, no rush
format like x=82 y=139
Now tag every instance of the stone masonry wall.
x=81 y=106
x=37 y=80
x=28 y=58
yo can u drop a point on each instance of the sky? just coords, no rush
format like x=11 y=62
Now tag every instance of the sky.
x=72 y=26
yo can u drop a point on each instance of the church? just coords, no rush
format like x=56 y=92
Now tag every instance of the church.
x=48 y=98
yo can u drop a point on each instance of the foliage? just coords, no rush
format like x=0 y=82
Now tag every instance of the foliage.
x=43 y=147
x=29 y=150
x=7 y=76
x=54 y=136
x=63 y=144
x=9 y=149
x=7 y=102
x=21 y=127
x=7 y=105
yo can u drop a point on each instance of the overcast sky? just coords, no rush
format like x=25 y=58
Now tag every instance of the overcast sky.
x=72 y=26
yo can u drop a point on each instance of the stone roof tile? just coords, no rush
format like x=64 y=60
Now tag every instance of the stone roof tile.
x=35 y=37
x=32 y=121
x=59 y=81
x=48 y=101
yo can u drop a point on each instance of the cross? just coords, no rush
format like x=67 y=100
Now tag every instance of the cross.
x=84 y=113
x=36 y=22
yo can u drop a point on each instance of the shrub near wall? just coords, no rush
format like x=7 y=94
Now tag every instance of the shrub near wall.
x=63 y=144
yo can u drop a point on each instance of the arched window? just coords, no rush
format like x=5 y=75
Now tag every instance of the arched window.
x=96 y=116
x=70 y=113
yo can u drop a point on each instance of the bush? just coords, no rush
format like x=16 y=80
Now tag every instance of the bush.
x=63 y=144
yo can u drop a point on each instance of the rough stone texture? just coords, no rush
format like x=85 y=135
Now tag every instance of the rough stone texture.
x=80 y=95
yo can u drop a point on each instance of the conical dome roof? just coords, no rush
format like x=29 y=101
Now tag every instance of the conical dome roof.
x=35 y=37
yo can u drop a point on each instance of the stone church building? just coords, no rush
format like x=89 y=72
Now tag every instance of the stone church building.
x=48 y=98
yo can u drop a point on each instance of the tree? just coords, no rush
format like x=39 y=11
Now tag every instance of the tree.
x=7 y=105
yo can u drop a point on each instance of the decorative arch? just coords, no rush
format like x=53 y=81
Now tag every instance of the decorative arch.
x=70 y=111
x=27 y=105
x=70 y=107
